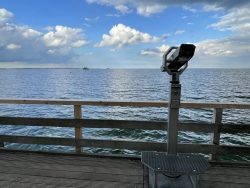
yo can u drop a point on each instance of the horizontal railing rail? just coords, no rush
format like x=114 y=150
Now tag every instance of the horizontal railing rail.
x=131 y=145
x=216 y=127
x=126 y=103
x=122 y=124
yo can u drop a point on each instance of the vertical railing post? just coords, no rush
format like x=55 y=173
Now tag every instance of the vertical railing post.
x=217 y=120
x=78 y=130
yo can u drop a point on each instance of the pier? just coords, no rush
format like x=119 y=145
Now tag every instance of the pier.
x=80 y=169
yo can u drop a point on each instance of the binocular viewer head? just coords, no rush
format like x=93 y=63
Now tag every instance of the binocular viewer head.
x=177 y=61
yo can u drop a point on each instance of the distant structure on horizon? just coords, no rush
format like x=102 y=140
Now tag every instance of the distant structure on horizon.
x=85 y=68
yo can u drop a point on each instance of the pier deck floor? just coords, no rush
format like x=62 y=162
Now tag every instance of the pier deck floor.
x=23 y=169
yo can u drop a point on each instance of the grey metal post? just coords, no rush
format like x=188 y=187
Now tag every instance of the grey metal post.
x=173 y=113
x=1 y=144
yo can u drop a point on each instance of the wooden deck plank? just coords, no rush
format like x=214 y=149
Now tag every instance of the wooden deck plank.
x=214 y=184
x=63 y=156
x=226 y=178
x=37 y=181
x=71 y=160
x=228 y=171
x=19 y=169
x=76 y=164
x=66 y=156
x=226 y=175
x=72 y=174
x=52 y=170
x=72 y=168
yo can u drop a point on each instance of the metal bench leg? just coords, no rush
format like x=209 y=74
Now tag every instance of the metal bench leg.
x=155 y=179
x=194 y=180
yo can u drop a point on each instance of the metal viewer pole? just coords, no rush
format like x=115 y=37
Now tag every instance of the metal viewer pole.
x=173 y=114
x=174 y=64
x=172 y=169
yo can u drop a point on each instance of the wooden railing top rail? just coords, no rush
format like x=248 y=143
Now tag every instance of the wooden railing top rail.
x=125 y=103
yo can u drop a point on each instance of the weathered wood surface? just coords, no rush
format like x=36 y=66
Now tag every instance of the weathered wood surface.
x=122 y=124
x=78 y=130
x=47 y=170
x=131 y=145
x=227 y=175
x=217 y=119
x=216 y=128
x=125 y=103
x=24 y=169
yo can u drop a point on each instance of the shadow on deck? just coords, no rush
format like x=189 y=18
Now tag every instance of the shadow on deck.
x=31 y=169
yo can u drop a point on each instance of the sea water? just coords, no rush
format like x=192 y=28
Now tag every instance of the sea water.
x=198 y=85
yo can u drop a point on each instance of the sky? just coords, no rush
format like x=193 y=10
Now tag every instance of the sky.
x=122 y=33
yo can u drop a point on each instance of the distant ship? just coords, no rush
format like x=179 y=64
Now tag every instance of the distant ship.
x=85 y=68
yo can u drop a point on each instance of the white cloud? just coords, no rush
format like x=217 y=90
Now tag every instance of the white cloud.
x=119 y=5
x=64 y=36
x=21 y=43
x=12 y=33
x=147 y=7
x=142 y=7
x=232 y=51
x=49 y=28
x=13 y=46
x=179 y=32
x=121 y=35
x=237 y=19
x=122 y=8
x=189 y=8
x=216 y=47
x=149 y=10
x=212 y=8
x=158 y=51
x=91 y=19
x=79 y=43
x=233 y=46
x=5 y=15
x=113 y=15
x=51 y=51
x=29 y=33
x=87 y=19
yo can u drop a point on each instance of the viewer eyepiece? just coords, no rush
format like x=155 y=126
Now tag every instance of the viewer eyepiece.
x=177 y=61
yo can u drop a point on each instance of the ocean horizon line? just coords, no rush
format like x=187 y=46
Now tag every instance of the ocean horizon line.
x=118 y=68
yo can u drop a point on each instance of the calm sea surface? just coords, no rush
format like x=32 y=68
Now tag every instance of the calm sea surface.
x=198 y=85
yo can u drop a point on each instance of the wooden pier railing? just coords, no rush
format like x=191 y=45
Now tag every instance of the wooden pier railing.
x=216 y=128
